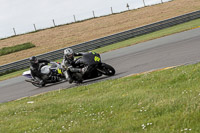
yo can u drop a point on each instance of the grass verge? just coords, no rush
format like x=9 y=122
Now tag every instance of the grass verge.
x=12 y=74
x=16 y=48
x=162 y=101
x=168 y=31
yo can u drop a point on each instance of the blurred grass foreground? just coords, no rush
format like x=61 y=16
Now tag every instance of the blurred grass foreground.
x=162 y=101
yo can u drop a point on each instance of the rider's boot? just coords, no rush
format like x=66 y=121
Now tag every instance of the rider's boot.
x=69 y=77
x=79 y=77
x=41 y=82
x=70 y=80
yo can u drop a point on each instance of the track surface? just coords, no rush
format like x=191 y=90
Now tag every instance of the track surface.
x=177 y=49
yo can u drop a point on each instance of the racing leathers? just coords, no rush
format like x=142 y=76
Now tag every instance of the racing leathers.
x=36 y=69
x=73 y=66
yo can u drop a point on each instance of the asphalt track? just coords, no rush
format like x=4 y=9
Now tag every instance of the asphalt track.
x=178 y=49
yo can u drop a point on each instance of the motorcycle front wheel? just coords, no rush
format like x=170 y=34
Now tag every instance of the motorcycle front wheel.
x=38 y=85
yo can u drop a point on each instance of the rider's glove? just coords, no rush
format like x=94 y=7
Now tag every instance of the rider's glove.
x=83 y=70
x=69 y=68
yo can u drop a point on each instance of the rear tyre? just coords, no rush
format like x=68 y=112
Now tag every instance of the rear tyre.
x=107 y=70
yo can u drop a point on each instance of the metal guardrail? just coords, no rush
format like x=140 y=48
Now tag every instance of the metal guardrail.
x=94 y=44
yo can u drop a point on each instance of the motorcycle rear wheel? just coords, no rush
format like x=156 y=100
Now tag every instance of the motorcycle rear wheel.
x=107 y=70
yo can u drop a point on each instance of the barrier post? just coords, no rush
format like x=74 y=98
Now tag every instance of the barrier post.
x=111 y=10
x=74 y=18
x=144 y=3
x=93 y=14
x=54 y=23
x=127 y=6
x=34 y=27
x=14 y=31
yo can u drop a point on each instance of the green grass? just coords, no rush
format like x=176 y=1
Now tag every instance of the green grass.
x=136 y=40
x=165 y=101
x=12 y=74
x=16 y=48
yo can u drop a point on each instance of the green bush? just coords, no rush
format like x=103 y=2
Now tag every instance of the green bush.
x=8 y=50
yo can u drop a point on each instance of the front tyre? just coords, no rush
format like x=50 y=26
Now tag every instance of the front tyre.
x=36 y=83
x=107 y=70
x=39 y=85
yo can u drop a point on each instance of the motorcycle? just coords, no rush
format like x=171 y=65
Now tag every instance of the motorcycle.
x=50 y=74
x=95 y=68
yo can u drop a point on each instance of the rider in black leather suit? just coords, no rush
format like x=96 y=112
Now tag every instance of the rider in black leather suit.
x=35 y=67
x=71 y=63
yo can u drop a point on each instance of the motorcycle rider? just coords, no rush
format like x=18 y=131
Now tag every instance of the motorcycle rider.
x=35 y=67
x=71 y=63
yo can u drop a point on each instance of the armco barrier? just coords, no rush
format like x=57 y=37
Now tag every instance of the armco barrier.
x=91 y=45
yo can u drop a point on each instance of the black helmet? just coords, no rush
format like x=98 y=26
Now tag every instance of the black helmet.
x=69 y=54
x=33 y=60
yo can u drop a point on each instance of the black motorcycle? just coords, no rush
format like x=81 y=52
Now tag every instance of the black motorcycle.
x=95 y=68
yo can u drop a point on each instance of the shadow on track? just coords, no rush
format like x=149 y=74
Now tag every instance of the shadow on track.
x=85 y=82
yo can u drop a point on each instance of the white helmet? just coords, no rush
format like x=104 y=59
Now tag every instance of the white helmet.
x=69 y=54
